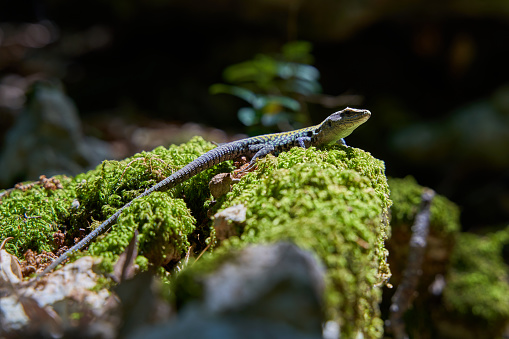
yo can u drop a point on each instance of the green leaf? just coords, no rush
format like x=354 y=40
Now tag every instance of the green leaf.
x=260 y=70
x=307 y=72
x=288 y=70
x=247 y=116
x=305 y=87
x=274 y=119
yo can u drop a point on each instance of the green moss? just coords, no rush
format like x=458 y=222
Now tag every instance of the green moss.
x=333 y=203
x=477 y=288
x=406 y=197
x=164 y=220
x=163 y=223
x=32 y=216
x=114 y=183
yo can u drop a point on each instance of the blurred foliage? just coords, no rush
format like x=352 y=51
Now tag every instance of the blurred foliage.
x=463 y=290
x=274 y=86
x=476 y=131
x=477 y=290
x=467 y=150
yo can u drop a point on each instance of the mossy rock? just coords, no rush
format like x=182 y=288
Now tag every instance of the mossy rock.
x=463 y=290
x=32 y=216
x=443 y=227
x=332 y=202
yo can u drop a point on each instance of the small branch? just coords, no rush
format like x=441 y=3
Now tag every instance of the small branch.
x=405 y=292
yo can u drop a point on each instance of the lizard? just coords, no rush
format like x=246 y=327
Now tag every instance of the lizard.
x=333 y=129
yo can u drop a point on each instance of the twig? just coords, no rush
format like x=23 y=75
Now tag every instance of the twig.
x=405 y=292
x=202 y=252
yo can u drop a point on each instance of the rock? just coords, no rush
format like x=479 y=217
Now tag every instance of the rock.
x=227 y=222
x=220 y=184
x=47 y=139
x=263 y=291
x=10 y=269
x=45 y=306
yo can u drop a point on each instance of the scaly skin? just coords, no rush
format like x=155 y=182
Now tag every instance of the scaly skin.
x=336 y=127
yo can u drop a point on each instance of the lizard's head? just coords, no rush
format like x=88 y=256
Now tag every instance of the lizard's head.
x=341 y=124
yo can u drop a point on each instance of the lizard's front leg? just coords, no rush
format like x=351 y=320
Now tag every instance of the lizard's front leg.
x=304 y=142
x=259 y=150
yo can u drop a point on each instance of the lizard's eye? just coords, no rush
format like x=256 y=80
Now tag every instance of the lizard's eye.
x=310 y=133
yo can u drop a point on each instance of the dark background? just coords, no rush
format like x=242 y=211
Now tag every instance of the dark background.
x=434 y=75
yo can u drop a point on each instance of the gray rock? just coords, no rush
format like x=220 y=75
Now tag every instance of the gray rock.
x=44 y=307
x=269 y=291
x=47 y=139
